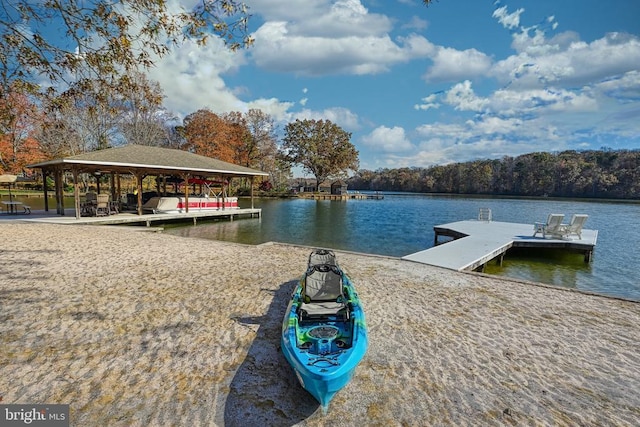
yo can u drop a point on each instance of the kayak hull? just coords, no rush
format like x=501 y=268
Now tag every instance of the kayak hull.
x=324 y=353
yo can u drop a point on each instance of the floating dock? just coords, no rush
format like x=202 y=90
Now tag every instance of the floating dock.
x=478 y=242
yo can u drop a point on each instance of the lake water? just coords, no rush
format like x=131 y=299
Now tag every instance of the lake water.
x=403 y=224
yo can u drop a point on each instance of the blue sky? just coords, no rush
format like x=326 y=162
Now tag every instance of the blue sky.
x=418 y=86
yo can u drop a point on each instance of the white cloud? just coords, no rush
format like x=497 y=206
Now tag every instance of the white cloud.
x=191 y=78
x=508 y=20
x=498 y=125
x=322 y=18
x=343 y=117
x=416 y=23
x=278 y=10
x=564 y=60
x=463 y=98
x=452 y=131
x=451 y=65
x=345 y=18
x=276 y=49
x=388 y=139
x=277 y=109
x=540 y=101
x=428 y=102
x=321 y=37
x=623 y=88
x=488 y=137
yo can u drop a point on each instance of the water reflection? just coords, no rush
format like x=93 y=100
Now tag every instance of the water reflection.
x=552 y=267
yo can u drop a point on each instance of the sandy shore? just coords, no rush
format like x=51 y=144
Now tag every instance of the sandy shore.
x=137 y=329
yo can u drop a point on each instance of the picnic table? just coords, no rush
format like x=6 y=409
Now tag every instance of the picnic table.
x=12 y=207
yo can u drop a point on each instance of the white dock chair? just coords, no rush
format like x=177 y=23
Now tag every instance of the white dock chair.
x=574 y=227
x=484 y=214
x=551 y=228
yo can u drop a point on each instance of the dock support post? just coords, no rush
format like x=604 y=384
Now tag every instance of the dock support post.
x=76 y=191
x=44 y=186
x=587 y=256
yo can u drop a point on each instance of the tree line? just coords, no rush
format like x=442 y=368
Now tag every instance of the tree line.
x=606 y=173
x=81 y=120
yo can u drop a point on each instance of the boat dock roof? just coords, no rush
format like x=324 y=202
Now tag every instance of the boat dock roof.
x=478 y=242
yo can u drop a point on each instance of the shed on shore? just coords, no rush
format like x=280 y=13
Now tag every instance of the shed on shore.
x=339 y=187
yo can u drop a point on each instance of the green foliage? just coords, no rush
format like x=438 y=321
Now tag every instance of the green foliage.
x=592 y=174
x=320 y=147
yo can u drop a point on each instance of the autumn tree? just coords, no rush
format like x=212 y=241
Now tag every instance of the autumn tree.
x=17 y=128
x=103 y=41
x=239 y=138
x=320 y=147
x=247 y=139
x=208 y=134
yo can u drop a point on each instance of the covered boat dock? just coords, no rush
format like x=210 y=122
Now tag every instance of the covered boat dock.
x=140 y=162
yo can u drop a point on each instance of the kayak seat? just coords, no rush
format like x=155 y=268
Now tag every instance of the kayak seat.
x=322 y=293
x=322 y=256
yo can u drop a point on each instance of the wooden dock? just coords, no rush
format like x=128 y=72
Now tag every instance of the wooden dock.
x=347 y=196
x=478 y=242
x=132 y=218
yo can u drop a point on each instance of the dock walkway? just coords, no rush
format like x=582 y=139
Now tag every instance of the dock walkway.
x=478 y=242
x=133 y=218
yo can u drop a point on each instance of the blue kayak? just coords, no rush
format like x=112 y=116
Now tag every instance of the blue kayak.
x=324 y=333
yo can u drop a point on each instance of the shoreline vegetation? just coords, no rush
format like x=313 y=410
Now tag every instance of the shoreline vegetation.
x=289 y=195
x=134 y=328
x=595 y=175
x=605 y=173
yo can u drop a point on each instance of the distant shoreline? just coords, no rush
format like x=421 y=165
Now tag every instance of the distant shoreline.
x=287 y=195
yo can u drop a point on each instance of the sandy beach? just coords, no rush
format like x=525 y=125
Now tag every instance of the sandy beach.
x=145 y=329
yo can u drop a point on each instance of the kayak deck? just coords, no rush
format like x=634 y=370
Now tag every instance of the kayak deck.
x=324 y=337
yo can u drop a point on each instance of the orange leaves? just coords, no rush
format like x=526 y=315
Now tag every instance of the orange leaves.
x=18 y=120
x=220 y=137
